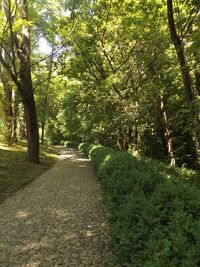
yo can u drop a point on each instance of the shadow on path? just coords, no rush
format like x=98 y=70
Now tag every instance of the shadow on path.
x=58 y=220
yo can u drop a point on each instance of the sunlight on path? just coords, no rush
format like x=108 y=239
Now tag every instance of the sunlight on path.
x=58 y=220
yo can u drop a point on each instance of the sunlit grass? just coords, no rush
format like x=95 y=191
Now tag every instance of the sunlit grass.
x=16 y=172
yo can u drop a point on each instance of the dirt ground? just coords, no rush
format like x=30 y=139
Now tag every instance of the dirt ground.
x=57 y=220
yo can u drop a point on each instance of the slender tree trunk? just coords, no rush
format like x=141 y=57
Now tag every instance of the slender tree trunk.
x=136 y=135
x=189 y=96
x=130 y=135
x=22 y=127
x=6 y=81
x=15 y=116
x=7 y=107
x=166 y=131
x=43 y=124
x=197 y=81
x=44 y=115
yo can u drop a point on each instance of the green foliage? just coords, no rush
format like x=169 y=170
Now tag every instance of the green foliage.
x=84 y=147
x=72 y=144
x=20 y=23
x=154 y=210
x=119 y=64
x=54 y=135
x=98 y=155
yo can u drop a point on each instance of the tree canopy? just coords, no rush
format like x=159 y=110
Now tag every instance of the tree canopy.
x=124 y=74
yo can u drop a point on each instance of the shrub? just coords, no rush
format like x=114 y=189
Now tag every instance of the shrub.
x=62 y=142
x=72 y=144
x=98 y=155
x=84 y=148
x=175 y=238
x=154 y=211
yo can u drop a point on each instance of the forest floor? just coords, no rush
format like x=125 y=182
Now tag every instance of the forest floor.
x=57 y=220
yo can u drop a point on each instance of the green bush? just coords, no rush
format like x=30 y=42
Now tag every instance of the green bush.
x=84 y=148
x=154 y=211
x=72 y=144
x=62 y=143
x=98 y=155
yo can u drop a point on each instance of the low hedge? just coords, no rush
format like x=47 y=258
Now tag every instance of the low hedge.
x=72 y=144
x=154 y=211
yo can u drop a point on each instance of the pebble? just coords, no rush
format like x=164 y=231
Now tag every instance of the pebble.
x=57 y=220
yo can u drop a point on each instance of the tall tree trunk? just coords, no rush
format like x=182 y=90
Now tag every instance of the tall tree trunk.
x=166 y=131
x=7 y=107
x=189 y=96
x=26 y=88
x=22 y=78
x=44 y=115
x=15 y=115
x=7 y=86
x=197 y=81
x=43 y=123
x=22 y=127
x=32 y=129
x=136 y=135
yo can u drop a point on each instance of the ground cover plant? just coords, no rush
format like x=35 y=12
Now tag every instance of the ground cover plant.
x=154 y=209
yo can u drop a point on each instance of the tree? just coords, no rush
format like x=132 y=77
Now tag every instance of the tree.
x=184 y=66
x=20 y=55
x=7 y=82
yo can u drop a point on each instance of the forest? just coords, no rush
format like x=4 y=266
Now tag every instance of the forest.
x=122 y=79
x=121 y=73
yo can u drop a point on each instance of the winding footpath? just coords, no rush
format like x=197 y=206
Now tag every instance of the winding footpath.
x=57 y=220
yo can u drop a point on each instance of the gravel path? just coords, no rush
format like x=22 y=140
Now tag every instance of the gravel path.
x=58 y=220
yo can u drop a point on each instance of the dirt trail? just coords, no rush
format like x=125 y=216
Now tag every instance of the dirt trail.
x=57 y=220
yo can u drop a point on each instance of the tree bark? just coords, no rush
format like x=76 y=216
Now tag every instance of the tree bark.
x=6 y=81
x=7 y=107
x=32 y=129
x=166 y=131
x=22 y=127
x=186 y=77
x=26 y=89
x=44 y=115
x=197 y=80
x=22 y=78
x=136 y=136
x=15 y=116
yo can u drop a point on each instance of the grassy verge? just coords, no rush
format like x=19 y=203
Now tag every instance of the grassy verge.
x=15 y=172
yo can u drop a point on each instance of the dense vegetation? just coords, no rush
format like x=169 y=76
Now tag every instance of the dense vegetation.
x=124 y=75
x=153 y=209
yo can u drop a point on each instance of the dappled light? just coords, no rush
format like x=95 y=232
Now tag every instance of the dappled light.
x=37 y=245
x=56 y=220
x=70 y=236
x=22 y=215
x=16 y=172
x=60 y=213
x=4 y=147
x=32 y=264
x=99 y=133
x=82 y=160
x=89 y=234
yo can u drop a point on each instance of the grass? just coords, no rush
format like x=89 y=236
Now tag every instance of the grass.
x=16 y=172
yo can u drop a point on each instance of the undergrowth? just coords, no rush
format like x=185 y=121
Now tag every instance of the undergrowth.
x=154 y=209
